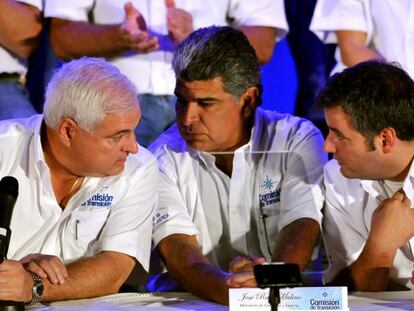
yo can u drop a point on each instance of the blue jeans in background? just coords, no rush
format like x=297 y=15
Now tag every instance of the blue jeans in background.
x=14 y=100
x=158 y=113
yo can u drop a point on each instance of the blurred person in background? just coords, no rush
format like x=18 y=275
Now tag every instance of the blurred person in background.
x=20 y=24
x=139 y=37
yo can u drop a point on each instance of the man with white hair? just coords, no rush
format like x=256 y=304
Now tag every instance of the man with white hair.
x=83 y=217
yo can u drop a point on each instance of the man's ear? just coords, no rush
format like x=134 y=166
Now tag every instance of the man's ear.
x=249 y=101
x=67 y=130
x=387 y=138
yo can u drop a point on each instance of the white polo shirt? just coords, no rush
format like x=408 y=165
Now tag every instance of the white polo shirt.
x=276 y=175
x=347 y=221
x=11 y=63
x=111 y=213
x=152 y=72
x=389 y=26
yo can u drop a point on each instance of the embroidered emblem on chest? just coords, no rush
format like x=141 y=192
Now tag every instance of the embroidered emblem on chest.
x=269 y=194
x=102 y=198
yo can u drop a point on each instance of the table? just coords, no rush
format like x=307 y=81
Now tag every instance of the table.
x=358 y=301
x=134 y=301
x=381 y=301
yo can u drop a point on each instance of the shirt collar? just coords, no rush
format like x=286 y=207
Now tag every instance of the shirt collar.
x=372 y=186
x=37 y=143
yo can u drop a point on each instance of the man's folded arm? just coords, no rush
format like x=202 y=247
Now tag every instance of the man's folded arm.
x=99 y=275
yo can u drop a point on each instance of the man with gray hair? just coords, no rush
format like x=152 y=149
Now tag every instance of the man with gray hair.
x=239 y=185
x=83 y=218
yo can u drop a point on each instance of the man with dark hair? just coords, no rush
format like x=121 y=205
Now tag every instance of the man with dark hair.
x=369 y=222
x=239 y=185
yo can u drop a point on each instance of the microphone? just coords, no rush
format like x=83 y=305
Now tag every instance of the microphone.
x=9 y=189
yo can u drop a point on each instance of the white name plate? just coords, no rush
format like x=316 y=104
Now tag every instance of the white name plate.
x=291 y=299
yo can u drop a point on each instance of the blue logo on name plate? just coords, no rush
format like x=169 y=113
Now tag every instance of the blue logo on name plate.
x=103 y=198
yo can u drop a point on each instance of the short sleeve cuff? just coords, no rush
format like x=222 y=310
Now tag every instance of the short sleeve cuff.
x=128 y=244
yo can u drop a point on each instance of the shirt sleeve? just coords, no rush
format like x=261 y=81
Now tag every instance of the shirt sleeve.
x=36 y=3
x=73 y=10
x=302 y=194
x=269 y=13
x=344 y=230
x=129 y=225
x=171 y=216
x=333 y=15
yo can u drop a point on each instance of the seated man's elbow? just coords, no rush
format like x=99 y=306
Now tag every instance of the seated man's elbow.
x=25 y=44
x=26 y=48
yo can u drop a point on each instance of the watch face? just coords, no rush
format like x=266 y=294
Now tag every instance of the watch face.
x=38 y=289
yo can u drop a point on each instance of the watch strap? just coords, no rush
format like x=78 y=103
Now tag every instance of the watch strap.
x=37 y=288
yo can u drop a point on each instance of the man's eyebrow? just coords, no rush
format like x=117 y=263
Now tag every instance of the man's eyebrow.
x=204 y=99
x=207 y=99
x=119 y=132
x=333 y=129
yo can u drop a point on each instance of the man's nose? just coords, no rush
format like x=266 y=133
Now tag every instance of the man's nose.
x=131 y=145
x=189 y=113
x=329 y=146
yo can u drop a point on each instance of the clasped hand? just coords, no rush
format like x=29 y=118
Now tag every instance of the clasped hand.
x=241 y=269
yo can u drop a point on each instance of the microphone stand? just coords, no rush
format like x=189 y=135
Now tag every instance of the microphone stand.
x=277 y=275
x=274 y=297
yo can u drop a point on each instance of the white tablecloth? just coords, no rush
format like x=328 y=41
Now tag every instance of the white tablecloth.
x=134 y=301
x=381 y=301
x=359 y=301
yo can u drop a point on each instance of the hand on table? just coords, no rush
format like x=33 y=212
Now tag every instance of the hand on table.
x=244 y=279
x=241 y=268
x=46 y=266
x=245 y=264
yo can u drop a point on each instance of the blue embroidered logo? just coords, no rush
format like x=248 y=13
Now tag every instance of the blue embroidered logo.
x=158 y=218
x=268 y=183
x=101 y=199
x=271 y=195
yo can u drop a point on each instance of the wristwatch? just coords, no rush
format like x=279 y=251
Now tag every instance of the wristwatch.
x=37 y=289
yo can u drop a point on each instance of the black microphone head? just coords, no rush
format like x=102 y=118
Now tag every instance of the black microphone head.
x=9 y=188
x=9 y=185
